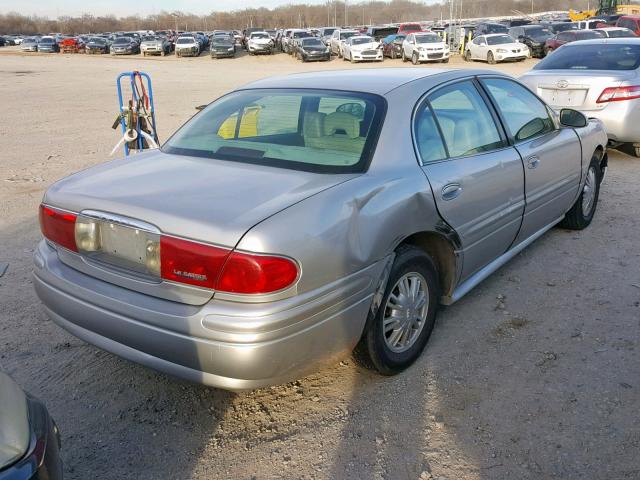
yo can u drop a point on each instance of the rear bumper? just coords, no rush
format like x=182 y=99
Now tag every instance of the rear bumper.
x=235 y=346
x=621 y=120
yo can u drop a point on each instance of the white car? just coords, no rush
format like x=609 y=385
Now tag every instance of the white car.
x=496 y=47
x=362 y=48
x=260 y=42
x=424 y=47
x=338 y=38
x=616 y=32
x=187 y=46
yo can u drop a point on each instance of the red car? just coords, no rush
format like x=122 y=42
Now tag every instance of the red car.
x=72 y=45
x=632 y=22
x=569 y=36
x=407 y=28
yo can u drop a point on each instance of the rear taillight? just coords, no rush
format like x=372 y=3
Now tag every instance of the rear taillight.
x=58 y=226
x=617 y=94
x=249 y=274
x=189 y=262
x=170 y=258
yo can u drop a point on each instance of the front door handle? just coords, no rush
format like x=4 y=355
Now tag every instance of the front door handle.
x=533 y=162
x=451 y=191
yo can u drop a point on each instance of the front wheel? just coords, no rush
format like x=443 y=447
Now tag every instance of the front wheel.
x=414 y=58
x=396 y=335
x=404 y=57
x=582 y=212
x=394 y=55
x=490 y=58
x=446 y=60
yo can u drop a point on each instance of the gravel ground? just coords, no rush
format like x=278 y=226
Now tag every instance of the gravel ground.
x=533 y=375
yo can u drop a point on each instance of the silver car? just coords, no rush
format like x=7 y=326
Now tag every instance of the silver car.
x=598 y=78
x=300 y=217
x=155 y=45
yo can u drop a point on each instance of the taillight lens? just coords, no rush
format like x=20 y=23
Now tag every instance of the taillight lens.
x=250 y=274
x=616 y=94
x=58 y=226
x=190 y=262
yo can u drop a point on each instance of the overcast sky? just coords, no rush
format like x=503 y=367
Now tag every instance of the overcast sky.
x=127 y=7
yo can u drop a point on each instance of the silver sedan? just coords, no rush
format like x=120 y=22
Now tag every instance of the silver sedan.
x=302 y=217
x=598 y=78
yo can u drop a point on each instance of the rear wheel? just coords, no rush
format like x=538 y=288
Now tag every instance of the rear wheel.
x=548 y=51
x=467 y=55
x=490 y=58
x=582 y=212
x=396 y=335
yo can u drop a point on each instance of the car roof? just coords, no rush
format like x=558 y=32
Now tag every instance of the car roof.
x=597 y=41
x=370 y=80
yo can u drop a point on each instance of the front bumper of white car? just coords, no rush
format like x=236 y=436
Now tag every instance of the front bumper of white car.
x=369 y=54
x=433 y=54
x=506 y=54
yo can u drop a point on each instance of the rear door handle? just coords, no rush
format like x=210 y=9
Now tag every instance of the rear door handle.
x=533 y=162
x=451 y=191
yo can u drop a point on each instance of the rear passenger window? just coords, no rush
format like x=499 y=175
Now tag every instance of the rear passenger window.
x=428 y=139
x=525 y=115
x=465 y=120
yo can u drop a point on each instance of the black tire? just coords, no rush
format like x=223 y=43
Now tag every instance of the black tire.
x=404 y=57
x=446 y=60
x=490 y=58
x=636 y=152
x=467 y=55
x=372 y=350
x=577 y=218
x=414 y=58
x=394 y=55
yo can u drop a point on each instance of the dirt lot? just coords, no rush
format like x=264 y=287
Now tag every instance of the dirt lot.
x=535 y=374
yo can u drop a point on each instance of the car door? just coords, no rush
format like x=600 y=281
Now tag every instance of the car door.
x=481 y=49
x=551 y=156
x=476 y=177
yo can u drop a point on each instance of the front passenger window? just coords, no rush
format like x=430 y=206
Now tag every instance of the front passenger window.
x=525 y=115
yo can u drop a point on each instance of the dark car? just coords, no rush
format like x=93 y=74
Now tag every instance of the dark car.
x=48 y=45
x=381 y=32
x=632 y=22
x=125 y=46
x=308 y=49
x=294 y=41
x=29 y=439
x=570 y=36
x=392 y=45
x=222 y=46
x=486 y=28
x=515 y=22
x=97 y=45
x=4 y=42
x=533 y=36
x=558 y=27
x=325 y=34
x=607 y=20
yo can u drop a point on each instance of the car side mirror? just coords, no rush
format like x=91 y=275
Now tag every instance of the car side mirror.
x=521 y=38
x=201 y=107
x=572 y=118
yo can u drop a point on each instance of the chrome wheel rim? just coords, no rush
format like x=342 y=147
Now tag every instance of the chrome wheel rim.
x=589 y=192
x=405 y=312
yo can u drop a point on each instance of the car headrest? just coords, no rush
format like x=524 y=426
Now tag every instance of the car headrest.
x=341 y=122
x=313 y=125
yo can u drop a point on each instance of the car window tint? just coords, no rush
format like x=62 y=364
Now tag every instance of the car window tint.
x=465 y=120
x=428 y=138
x=525 y=115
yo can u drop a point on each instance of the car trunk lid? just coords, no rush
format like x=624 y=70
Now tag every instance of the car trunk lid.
x=206 y=200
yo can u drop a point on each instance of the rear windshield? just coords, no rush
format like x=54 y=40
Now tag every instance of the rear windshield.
x=499 y=40
x=412 y=27
x=625 y=32
x=601 y=56
x=495 y=28
x=563 y=27
x=589 y=34
x=313 y=130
